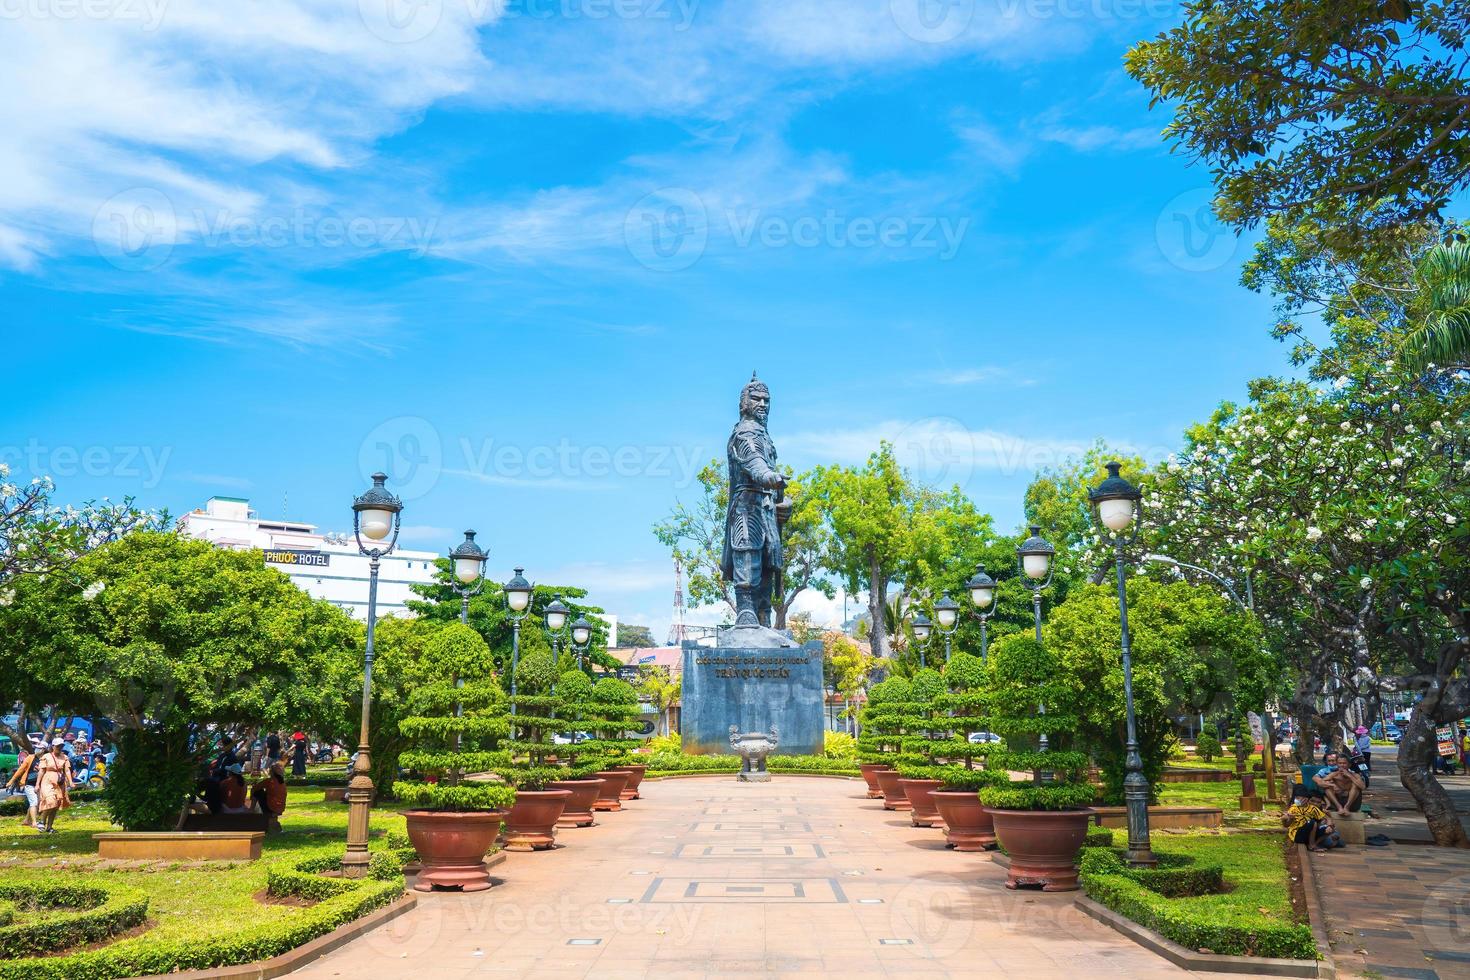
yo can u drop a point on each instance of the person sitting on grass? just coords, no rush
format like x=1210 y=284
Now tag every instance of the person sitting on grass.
x=1343 y=787
x=269 y=796
x=1304 y=821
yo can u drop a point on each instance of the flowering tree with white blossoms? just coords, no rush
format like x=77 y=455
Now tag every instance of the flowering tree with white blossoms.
x=39 y=537
x=1344 y=495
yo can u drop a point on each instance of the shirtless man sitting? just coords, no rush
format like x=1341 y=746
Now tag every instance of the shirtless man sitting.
x=1343 y=786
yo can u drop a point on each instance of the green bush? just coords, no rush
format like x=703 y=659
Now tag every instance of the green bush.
x=1023 y=677
x=1201 y=905
x=666 y=763
x=1207 y=747
x=67 y=916
x=458 y=730
x=232 y=946
x=151 y=779
x=840 y=745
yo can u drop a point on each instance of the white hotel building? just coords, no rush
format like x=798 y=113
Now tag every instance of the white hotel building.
x=324 y=565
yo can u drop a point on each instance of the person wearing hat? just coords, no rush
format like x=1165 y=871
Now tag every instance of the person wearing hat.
x=1363 y=744
x=24 y=778
x=232 y=789
x=269 y=795
x=53 y=785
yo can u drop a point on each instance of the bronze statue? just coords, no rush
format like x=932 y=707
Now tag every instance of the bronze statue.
x=752 y=555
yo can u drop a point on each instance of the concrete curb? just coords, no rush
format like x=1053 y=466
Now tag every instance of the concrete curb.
x=1260 y=966
x=1315 y=917
x=278 y=966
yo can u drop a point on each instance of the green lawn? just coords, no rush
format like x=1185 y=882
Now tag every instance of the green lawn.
x=1226 y=796
x=190 y=905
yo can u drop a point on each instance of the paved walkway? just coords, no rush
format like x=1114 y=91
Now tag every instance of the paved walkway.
x=708 y=877
x=1397 y=911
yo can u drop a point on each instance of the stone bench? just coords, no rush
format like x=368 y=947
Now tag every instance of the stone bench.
x=1162 y=817
x=180 y=845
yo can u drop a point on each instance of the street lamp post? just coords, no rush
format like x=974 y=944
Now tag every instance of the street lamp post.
x=1115 y=506
x=518 y=600
x=467 y=562
x=376 y=515
x=982 y=594
x=947 y=618
x=581 y=638
x=467 y=567
x=556 y=620
x=1035 y=555
x=922 y=629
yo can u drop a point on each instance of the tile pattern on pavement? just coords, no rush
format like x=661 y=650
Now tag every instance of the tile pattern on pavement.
x=709 y=877
x=1398 y=911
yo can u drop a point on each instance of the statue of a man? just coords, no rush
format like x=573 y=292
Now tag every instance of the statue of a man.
x=752 y=555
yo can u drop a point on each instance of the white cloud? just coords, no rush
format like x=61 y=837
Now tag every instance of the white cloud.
x=1090 y=139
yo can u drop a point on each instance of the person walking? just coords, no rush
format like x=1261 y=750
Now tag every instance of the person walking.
x=24 y=778
x=53 y=785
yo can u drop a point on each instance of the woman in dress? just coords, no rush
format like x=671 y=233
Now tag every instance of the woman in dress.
x=53 y=784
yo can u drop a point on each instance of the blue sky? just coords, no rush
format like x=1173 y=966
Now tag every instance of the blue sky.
x=507 y=253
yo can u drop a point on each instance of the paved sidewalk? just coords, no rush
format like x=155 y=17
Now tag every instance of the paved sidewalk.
x=1398 y=911
x=709 y=877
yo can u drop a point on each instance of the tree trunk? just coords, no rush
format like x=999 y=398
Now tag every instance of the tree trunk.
x=1416 y=751
x=877 y=607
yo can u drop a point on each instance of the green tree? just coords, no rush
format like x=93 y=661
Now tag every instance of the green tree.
x=660 y=690
x=1192 y=650
x=887 y=528
x=1359 y=103
x=166 y=636
x=695 y=534
x=635 y=636
x=848 y=665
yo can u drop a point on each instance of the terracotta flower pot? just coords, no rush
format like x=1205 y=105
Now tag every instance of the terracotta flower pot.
x=894 y=797
x=923 y=813
x=578 y=811
x=452 y=847
x=531 y=823
x=1043 y=845
x=635 y=778
x=869 y=771
x=968 y=826
x=610 y=796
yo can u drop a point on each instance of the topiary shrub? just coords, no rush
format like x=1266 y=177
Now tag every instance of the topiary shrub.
x=618 y=710
x=1023 y=679
x=66 y=916
x=584 y=752
x=957 y=710
x=1207 y=747
x=534 y=724
x=457 y=731
x=881 y=725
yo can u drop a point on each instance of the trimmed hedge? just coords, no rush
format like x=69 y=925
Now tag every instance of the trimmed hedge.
x=93 y=913
x=261 y=941
x=1161 y=899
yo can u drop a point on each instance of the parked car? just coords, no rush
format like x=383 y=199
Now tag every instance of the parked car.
x=1394 y=734
x=9 y=758
x=984 y=738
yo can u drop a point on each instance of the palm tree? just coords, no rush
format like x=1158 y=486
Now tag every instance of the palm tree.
x=1443 y=336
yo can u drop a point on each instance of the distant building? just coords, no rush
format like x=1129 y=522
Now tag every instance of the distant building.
x=325 y=565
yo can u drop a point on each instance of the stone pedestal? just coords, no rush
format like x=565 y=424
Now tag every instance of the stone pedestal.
x=1351 y=826
x=752 y=687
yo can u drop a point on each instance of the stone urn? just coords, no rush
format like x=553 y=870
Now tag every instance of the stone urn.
x=1043 y=845
x=610 y=796
x=922 y=811
x=531 y=823
x=967 y=824
x=869 y=771
x=894 y=797
x=578 y=811
x=635 y=779
x=753 y=748
x=452 y=847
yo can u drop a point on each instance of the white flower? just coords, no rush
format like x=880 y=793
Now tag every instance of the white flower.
x=1365 y=582
x=1316 y=576
x=1314 y=533
x=6 y=598
x=93 y=591
x=1451 y=520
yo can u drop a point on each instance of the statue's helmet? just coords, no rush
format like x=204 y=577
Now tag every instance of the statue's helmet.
x=754 y=385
